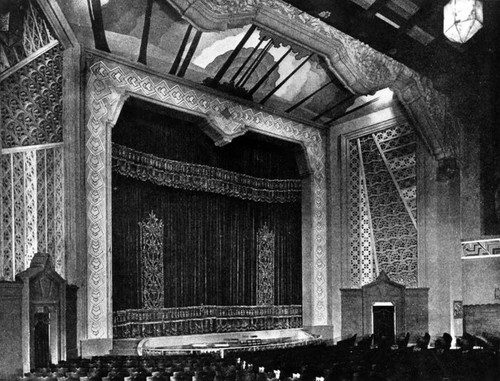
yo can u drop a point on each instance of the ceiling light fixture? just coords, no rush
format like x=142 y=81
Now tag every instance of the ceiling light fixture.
x=462 y=19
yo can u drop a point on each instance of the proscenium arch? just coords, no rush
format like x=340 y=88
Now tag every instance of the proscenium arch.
x=109 y=85
x=208 y=125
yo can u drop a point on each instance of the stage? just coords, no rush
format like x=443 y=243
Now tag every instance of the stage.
x=221 y=343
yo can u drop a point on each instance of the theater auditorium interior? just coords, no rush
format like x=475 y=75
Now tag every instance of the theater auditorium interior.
x=249 y=190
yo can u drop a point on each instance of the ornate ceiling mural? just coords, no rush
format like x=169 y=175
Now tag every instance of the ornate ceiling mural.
x=124 y=23
x=331 y=67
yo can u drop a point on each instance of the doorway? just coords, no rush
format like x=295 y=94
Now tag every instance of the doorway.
x=41 y=342
x=383 y=323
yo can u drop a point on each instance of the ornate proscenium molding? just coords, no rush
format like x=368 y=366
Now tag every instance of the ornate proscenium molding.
x=108 y=85
x=362 y=70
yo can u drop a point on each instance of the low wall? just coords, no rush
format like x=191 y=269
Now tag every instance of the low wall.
x=11 y=361
x=203 y=319
x=479 y=318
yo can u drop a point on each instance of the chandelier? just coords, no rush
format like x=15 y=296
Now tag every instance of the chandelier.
x=462 y=19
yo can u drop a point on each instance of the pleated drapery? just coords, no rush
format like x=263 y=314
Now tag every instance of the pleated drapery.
x=210 y=240
x=210 y=245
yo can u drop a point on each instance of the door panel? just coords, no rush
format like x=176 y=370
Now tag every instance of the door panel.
x=383 y=323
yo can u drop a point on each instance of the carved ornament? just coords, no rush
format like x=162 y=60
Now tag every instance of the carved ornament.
x=362 y=70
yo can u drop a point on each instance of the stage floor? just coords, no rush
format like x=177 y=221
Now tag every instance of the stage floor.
x=214 y=342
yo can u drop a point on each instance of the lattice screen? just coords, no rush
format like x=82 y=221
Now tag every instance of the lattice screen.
x=26 y=36
x=382 y=206
x=32 y=187
x=32 y=208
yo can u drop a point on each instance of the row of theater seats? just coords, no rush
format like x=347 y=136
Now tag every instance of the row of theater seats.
x=349 y=360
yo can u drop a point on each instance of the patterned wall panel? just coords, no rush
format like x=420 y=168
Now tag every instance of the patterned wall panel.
x=50 y=182
x=265 y=266
x=19 y=217
x=393 y=229
x=397 y=147
x=481 y=248
x=32 y=207
x=151 y=249
x=31 y=102
x=362 y=250
x=41 y=172
x=7 y=270
x=108 y=84
x=33 y=35
x=367 y=252
x=382 y=208
x=57 y=203
x=31 y=109
x=354 y=193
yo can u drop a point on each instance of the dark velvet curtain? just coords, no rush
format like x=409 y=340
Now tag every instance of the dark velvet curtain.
x=176 y=139
x=210 y=245
x=210 y=248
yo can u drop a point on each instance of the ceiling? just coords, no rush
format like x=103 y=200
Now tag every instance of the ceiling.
x=246 y=63
x=411 y=31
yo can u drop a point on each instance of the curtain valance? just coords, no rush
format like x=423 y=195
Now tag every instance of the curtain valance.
x=146 y=167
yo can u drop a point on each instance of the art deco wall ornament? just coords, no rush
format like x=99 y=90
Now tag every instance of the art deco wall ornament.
x=151 y=248
x=265 y=266
x=462 y=19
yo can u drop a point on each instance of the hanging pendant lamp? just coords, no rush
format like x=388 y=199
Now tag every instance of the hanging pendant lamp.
x=462 y=19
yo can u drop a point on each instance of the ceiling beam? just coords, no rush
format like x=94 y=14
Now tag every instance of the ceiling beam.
x=180 y=52
x=232 y=57
x=351 y=111
x=190 y=54
x=240 y=69
x=298 y=104
x=96 y=20
x=255 y=64
x=335 y=107
x=266 y=98
x=143 y=50
x=269 y=72
x=374 y=8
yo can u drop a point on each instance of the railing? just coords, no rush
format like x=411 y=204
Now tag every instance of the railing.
x=204 y=319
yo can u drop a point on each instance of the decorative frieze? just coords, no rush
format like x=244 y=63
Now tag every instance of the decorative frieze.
x=481 y=248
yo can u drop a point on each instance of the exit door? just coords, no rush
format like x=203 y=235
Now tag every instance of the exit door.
x=41 y=342
x=383 y=324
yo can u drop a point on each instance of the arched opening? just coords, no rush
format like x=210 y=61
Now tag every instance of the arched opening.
x=198 y=228
x=109 y=86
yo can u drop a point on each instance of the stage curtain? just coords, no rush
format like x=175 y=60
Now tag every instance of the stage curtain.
x=210 y=245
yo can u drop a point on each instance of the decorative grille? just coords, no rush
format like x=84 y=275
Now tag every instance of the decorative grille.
x=265 y=263
x=151 y=245
x=382 y=206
